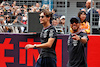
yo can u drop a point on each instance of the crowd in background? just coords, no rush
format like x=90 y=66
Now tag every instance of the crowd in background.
x=12 y=14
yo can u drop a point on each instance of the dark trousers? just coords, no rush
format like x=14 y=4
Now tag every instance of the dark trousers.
x=46 y=62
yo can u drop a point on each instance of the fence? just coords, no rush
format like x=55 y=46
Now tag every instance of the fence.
x=94 y=22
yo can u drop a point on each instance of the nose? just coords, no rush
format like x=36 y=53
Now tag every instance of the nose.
x=74 y=22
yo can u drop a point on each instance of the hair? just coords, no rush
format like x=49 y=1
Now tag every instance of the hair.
x=55 y=10
x=79 y=14
x=46 y=13
x=90 y=1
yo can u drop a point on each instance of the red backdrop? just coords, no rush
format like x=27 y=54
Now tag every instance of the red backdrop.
x=93 y=51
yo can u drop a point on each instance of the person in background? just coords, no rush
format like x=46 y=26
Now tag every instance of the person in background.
x=98 y=10
x=62 y=23
x=8 y=22
x=14 y=4
x=48 y=36
x=76 y=42
x=88 y=6
x=62 y=19
x=84 y=25
x=54 y=22
x=54 y=13
x=18 y=21
x=37 y=7
x=1 y=13
x=95 y=16
x=82 y=9
x=2 y=28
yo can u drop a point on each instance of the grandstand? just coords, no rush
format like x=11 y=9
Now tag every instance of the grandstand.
x=64 y=7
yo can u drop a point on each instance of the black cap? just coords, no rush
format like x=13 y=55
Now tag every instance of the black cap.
x=75 y=19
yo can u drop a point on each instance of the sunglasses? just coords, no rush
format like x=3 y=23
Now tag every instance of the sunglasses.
x=8 y=12
x=7 y=17
x=1 y=12
x=41 y=16
x=73 y=22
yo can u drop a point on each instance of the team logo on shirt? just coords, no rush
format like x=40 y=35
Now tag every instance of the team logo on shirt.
x=45 y=33
x=51 y=33
x=69 y=40
x=75 y=42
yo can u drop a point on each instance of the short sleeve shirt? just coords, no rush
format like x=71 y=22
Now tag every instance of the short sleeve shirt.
x=76 y=51
x=47 y=33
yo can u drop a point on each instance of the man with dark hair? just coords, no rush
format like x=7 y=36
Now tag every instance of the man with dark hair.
x=76 y=42
x=48 y=36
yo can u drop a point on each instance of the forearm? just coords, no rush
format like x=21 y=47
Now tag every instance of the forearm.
x=47 y=44
x=83 y=40
x=44 y=45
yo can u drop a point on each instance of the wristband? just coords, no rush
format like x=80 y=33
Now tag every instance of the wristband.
x=80 y=37
x=35 y=45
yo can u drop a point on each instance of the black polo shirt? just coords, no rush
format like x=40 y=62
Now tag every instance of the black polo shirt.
x=76 y=51
x=47 y=33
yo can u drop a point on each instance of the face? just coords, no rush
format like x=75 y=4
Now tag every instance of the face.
x=98 y=10
x=1 y=19
x=1 y=12
x=83 y=17
x=75 y=26
x=87 y=4
x=63 y=21
x=54 y=23
x=43 y=18
x=7 y=18
x=37 y=5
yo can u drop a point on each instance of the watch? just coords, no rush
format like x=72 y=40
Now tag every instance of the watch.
x=80 y=37
x=35 y=45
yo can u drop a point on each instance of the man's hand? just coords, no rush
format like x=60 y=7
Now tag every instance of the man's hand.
x=76 y=37
x=29 y=46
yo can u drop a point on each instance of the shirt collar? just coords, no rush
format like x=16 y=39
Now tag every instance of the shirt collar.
x=76 y=32
x=89 y=9
x=47 y=27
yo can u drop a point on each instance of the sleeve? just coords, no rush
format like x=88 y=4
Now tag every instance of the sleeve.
x=85 y=36
x=52 y=33
x=88 y=28
x=70 y=29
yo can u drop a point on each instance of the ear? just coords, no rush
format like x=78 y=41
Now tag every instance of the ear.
x=48 y=18
x=79 y=24
x=70 y=25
